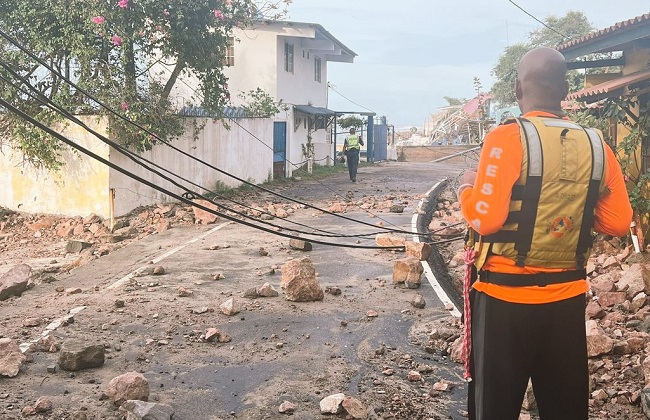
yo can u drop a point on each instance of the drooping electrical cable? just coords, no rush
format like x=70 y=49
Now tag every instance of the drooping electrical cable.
x=543 y=23
x=171 y=194
x=139 y=161
x=243 y=181
x=296 y=166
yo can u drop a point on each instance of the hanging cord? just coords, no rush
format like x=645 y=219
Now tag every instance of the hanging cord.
x=470 y=258
x=180 y=198
x=118 y=115
x=139 y=161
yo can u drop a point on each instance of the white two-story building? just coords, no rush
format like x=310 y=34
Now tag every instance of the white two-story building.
x=287 y=60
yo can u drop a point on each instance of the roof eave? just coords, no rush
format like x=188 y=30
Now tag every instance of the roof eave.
x=610 y=39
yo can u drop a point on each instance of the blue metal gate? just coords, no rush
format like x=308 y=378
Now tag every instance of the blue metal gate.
x=279 y=149
x=380 y=139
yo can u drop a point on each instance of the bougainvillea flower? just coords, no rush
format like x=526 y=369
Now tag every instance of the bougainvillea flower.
x=117 y=40
x=123 y=4
x=125 y=106
x=98 y=20
x=218 y=14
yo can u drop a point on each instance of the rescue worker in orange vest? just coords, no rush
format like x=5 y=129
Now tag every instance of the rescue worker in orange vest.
x=542 y=185
x=352 y=148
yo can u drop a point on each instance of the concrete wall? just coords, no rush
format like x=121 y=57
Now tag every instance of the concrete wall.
x=430 y=153
x=83 y=185
x=78 y=189
x=246 y=150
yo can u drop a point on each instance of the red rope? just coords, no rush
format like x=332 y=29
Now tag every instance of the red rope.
x=470 y=258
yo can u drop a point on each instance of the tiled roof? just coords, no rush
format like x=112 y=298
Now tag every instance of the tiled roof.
x=617 y=27
x=610 y=86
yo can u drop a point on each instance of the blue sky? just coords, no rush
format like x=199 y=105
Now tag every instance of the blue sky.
x=413 y=53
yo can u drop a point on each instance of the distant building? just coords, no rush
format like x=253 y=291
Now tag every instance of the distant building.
x=288 y=60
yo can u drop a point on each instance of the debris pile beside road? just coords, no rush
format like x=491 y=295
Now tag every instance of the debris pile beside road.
x=617 y=318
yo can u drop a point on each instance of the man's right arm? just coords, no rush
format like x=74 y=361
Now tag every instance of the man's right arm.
x=486 y=204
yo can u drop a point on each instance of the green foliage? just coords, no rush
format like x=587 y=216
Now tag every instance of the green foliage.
x=619 y=111
x=505 y=74
x=572 y=25
x=308 y=148
x=258 y=103
x=109 y=48
x=351 y=121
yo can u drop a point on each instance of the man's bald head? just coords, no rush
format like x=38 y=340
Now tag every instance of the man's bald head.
x=541 y=82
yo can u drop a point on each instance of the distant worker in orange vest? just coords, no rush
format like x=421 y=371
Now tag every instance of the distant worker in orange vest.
x=352 y=148
x=542 y=185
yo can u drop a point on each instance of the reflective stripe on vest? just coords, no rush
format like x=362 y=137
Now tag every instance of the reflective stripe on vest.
x=552 y=205
x=353 y=142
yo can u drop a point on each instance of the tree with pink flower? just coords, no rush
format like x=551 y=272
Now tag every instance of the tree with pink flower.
x=107 y=47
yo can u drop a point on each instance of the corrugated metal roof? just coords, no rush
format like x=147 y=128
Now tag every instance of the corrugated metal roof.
x=610 y=86
x=313 y=110
x=472 y=106
x=227 y=112
x=617 y=27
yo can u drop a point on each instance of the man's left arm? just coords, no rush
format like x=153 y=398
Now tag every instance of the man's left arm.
x=613 y=213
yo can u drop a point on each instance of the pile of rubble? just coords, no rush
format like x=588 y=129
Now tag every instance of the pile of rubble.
x=617 y=319
x=68 y=242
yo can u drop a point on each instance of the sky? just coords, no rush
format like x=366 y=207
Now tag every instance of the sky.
x=413 y=53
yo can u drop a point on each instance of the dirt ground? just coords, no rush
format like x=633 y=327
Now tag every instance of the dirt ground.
x=365 y=339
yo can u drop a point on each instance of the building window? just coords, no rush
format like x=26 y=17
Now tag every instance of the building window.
x=288 y=57
x=229 y=56
x=317 y=69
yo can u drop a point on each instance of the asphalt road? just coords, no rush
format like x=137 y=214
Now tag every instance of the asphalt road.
x=280 y=350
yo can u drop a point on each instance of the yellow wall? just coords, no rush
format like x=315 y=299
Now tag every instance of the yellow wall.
x=78 y=189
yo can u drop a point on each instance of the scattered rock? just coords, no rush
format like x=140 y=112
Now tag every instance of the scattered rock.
x=414 y=376
x=11 y=358
x=230 y=307
x=332 y=404
x=43 y=405
x=408 y=270
x=140 y=410
x=299 y=281
x=420 y=250
x=354 y=408
x=387 y=240
x=129 y=386
x=14 y=282
x=418 y=301
x=287 y=407
x=75 y=247
x=300 y=244
x=396 y=208
x=204 y=217
x=267 y=291
x=77 y=355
